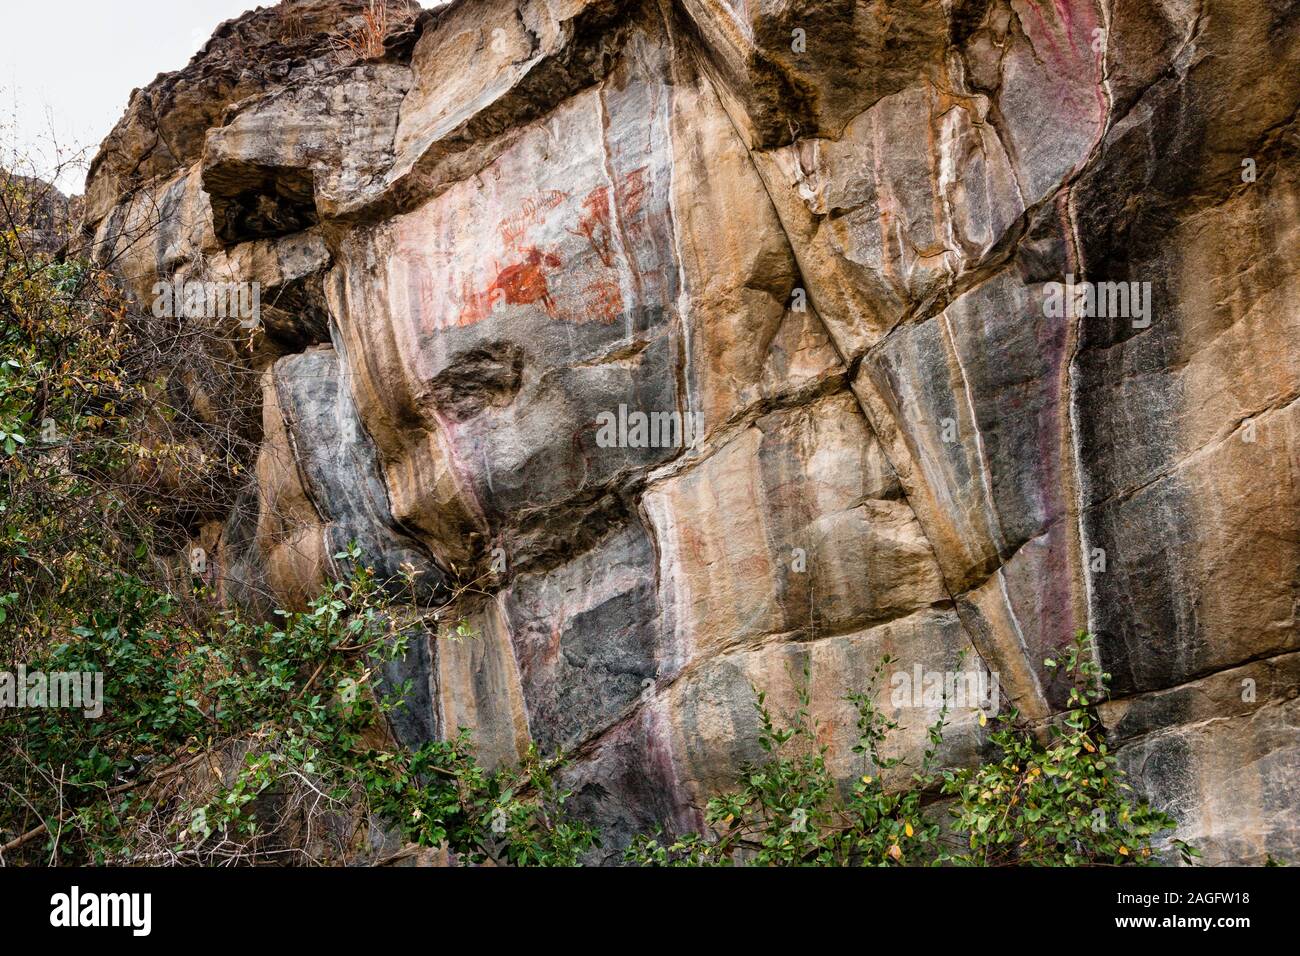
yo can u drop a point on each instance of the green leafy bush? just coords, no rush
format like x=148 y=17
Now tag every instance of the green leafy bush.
x=1063 y=802
x=281 y=718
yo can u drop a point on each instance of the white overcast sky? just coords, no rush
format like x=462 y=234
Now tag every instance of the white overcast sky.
x=67 y=67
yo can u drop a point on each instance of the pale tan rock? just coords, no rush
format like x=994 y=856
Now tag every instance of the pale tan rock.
x=794 y=527
x=290 y=531
x=715 y=725
x=478 y=687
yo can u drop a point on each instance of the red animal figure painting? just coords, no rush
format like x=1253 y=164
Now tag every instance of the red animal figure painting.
x=523 y=283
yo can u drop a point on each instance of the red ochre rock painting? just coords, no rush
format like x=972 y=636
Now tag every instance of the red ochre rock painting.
x=525 y=282
x=533 y=212
x=595 y=224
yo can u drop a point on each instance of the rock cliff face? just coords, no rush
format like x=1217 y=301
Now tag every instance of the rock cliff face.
x=825 y=233
x=48 y=215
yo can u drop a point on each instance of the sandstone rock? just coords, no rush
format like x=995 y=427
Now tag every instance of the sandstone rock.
x=166 y=122
x=825 y=233
x=808 y=68
x=1215 y=753
x=293 y=151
